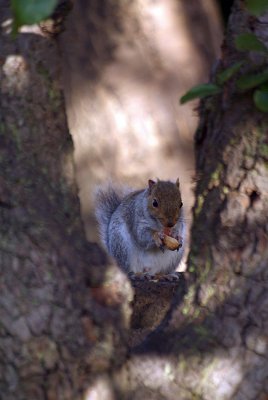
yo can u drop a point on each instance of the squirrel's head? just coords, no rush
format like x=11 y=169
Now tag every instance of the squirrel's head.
x=164 y=201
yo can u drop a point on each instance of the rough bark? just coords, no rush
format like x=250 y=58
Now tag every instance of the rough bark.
x=215 y=345
x=152 y=302
x=59 y=321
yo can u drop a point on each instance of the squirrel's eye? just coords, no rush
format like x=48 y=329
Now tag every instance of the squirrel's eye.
x=155 y=203
x=181 y=204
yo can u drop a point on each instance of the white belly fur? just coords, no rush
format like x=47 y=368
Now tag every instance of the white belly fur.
x=154 y=261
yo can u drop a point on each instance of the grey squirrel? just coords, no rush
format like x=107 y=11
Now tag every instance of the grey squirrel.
x=134 y=226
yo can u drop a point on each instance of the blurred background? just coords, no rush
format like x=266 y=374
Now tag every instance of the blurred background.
x=126 y=65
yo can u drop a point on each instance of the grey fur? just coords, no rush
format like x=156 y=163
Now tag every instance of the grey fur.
x=126 y=228
x=107 y=200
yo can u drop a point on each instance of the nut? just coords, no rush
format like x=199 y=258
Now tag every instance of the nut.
x=171 y=243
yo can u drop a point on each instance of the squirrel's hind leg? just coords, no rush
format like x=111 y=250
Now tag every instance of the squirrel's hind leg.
x=119 y=252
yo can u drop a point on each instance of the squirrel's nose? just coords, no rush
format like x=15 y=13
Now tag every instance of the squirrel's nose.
x=170 y=224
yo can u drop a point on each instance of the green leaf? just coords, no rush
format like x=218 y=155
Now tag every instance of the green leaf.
x=28 y=12
x=229 y=72
x=260 y=98
x=250 y=81
x=257 y=7
x=200 y=91
x=249 y=42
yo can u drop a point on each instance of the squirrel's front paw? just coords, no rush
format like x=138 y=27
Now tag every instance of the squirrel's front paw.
x=158 y=239
x=180 y=240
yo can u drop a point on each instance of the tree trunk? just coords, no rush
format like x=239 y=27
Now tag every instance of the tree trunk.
x=215 y=344
x=55 y=332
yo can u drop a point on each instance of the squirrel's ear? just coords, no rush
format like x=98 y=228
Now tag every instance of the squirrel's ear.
x=151 y=183
x=178 y=183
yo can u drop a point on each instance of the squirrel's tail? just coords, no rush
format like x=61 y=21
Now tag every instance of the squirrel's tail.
x=107 y=199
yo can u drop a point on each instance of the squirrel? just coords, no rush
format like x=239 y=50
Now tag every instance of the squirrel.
x=133 y=226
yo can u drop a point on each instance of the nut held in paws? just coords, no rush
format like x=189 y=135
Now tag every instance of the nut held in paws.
x=171 y=243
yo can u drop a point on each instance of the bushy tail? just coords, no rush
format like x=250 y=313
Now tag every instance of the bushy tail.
x=107 y=199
